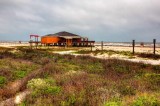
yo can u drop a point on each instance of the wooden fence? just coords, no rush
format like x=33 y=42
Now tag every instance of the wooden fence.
x=132 y=44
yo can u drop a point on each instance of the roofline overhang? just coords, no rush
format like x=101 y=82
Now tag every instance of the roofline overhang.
x=70 y=37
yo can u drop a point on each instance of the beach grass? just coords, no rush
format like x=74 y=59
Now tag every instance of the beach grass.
x=69 y=80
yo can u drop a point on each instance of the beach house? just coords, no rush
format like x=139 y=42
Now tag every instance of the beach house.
x=65 y=39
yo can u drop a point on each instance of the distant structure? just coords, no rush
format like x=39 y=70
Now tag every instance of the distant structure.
x=35 y=36
x=65 y=39
x=36 y=42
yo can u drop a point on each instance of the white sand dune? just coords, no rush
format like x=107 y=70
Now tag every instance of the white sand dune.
x=13 y=44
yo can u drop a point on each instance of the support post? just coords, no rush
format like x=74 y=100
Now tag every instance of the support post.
x=31 y=44
x=154 y=43
x=36 y=45
x=133 y=44
x=36 y=42
x=91 y=47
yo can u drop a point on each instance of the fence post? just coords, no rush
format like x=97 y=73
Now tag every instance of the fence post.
x=101 y=45
x=154 y=49
x=133 y=44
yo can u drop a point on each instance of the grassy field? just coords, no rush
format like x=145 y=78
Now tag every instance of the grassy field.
x=67 y=80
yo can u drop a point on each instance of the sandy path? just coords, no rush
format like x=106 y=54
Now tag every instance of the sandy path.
x=13 y=88
x=121 y=57
x=19 y=98
x=114 y=56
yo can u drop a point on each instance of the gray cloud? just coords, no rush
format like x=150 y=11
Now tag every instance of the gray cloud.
x=108 y=20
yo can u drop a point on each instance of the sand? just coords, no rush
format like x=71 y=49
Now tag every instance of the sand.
x=13 y=45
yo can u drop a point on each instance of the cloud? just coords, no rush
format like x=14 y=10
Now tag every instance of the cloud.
x=109 y=20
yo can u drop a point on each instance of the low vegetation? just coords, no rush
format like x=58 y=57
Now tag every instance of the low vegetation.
x=146 y=100
x=124 y=53
x=2 y=81
x=109 y=52
x=42 y=87
x=68 y=80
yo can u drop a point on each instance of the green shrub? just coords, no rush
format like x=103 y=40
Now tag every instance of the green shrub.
x=140 y=73
x=72 y=99
x=126 y=53
x=23 y=104
x=146 y=101
x=19 y=74
x=2 y=81
x=122 y=69
x=52 y=90
x=156 y=68
x=22 y=69
x=112 y=104
x=153 y=78
x=43 y=86
x=127 y=90
x=153 y=81
x=114 y=101
x=143 y=65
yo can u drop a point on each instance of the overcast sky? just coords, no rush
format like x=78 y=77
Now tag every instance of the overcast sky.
x=107 y=20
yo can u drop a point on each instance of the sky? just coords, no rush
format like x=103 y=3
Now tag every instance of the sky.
x=99 y=20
